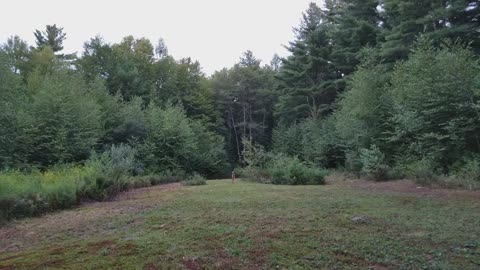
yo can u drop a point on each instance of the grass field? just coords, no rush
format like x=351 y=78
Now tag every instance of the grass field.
x=256 y=226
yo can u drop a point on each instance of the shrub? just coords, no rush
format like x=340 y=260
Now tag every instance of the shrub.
x=470 y=170
x=31 y=194
x=113 y=168
x=176 y=142
x=195 y=180
x=291 y=171
x=467 y=176
x=373 y=163
x=168 y=176
x=421 y=171
x=254 y=174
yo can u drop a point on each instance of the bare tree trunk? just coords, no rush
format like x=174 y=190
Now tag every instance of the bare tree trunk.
x=236 y=135
x=251 y=121
x=244 y=121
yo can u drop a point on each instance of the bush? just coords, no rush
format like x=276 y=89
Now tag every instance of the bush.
x=470 y=170
x=195 y=180
x=254 y=174
x=421 y=171
x=467 y=176
x=266 y=167
x=291 y=171
x=373 y=163
x=175 y=142
x=166 y=177
x=113 y=168
x=31 y=194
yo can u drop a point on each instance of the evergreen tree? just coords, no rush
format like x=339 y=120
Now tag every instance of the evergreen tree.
x=53 y=37
x=16 y=52
x=405 y=20
x=356 y=25
x=244 y=95
x=307 y=77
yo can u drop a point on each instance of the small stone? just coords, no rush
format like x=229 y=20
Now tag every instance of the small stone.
x=360 y=219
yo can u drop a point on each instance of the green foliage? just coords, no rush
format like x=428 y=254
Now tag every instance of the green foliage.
x=52 y=37
x=356 y=28
x=435 y=103
x=373 y=163
x=470 y=170
x=422 y=171
x=307 y=78
x=291 y=171
x=244 y=96
x=63 y=121
x=174 y=142
x=265 y=167
x=113 y=168
x=195 y=180
x=34 y=193
x=312 y=140
x=404 y=20
x=210 y=158
x=288 y=139
x=170 y=139
x=363 y=110
x=103 y=176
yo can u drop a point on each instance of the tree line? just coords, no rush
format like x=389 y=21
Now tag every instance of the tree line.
x=385 y=88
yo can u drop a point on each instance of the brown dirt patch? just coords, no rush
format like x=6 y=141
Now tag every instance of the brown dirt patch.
x=191 y=263
x=89 y=219
x=223 y=260
x=10 y=258
x=48 y=263
x=95 y=247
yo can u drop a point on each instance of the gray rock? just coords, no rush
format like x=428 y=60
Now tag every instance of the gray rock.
x=360 y=220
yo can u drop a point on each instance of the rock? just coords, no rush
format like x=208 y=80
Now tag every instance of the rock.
x=360 y=219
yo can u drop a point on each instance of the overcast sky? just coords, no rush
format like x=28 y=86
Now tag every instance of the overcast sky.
x=215 y=32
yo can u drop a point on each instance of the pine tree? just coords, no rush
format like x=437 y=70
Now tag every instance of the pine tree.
x=53 y=36
x=307 y=77
x=405 y=20
x=356 y=25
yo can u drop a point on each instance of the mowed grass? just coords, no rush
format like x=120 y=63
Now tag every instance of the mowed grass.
x=253 y=226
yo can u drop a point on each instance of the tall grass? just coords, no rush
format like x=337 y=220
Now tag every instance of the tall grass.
x=24 y=194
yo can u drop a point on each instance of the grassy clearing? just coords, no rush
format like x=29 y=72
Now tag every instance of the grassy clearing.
x=254 y=226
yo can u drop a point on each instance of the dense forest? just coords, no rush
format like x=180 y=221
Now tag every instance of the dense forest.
x=384 y=89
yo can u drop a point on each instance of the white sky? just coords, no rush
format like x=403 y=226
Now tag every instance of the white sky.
x=215 y=32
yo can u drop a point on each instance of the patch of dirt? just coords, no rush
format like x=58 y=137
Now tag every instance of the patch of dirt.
x=95 y=247
x=49 y=263
x=88 y=218
x=223 y=260
x=191 y=263
x=404 y=187
x=10 y=258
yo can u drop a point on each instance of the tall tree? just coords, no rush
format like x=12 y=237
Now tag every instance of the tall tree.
x=405 y=20
x=307 y=77
x=355 y=26
x=16 y=51
x=244 y=95
x=53 y=36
